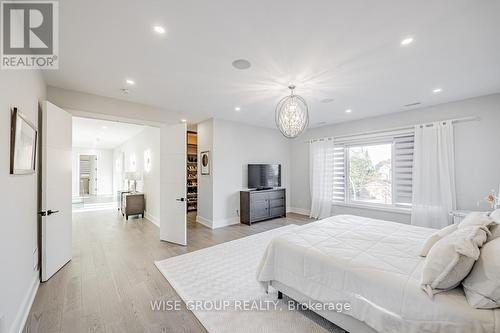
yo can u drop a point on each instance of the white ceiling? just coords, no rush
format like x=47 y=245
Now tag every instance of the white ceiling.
x=346 y=50
x=102 y=134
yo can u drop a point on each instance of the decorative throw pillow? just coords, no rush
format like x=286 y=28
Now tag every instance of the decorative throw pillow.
x=450 y=260
x=482 y=286
x=495 y=228
x=495 y=232
x=476 y=219
x=435 y=237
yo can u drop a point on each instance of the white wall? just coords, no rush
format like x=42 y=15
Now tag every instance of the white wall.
x=205 y=182
x=18 y=198
x=148 y=139
x=235 y=146
x=104 y=169
x=477 y=151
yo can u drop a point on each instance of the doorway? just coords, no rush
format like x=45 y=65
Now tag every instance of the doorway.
x=88 y=175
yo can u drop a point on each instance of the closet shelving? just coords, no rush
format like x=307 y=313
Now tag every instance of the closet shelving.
x=192 y=171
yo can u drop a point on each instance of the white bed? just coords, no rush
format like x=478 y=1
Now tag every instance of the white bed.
x=374 y=265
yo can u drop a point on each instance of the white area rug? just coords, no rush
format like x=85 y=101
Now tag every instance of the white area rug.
x=228 y=272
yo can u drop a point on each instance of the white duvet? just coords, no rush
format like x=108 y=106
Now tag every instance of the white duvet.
x=374 y=265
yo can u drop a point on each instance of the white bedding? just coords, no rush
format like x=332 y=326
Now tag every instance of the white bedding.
x=375 y=266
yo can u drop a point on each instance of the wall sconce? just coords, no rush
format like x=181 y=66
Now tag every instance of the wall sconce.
x=133 y=164
x=118 y=166
x=147 y=160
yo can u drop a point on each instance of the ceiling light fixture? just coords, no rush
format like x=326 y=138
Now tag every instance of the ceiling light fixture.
x=437 y=90
x=348 y=111
x=130 y=82
x=407 y=41
x=105 y=127
x=241 y=64
x=237 y=108
x=159 y=29
x=292 y=115
x=183 y=120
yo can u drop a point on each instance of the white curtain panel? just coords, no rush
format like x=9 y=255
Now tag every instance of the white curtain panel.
x=321 y=177
x=433 y=175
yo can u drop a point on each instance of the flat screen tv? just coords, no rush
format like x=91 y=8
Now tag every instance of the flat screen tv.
x=264 y=176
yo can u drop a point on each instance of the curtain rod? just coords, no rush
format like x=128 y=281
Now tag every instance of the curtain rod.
x=455 y=120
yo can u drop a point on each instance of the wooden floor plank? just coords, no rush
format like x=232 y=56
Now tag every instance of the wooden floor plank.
x=111 y=280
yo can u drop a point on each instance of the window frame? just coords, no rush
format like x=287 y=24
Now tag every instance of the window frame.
x=371 y=141
x=348 y=172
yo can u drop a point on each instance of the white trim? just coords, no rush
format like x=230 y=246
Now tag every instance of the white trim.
x=225 y=222
x=300 y=211
x=203 y=221
x=389 y=209
x=217 y=224
x=152 y=219
x=24 y=310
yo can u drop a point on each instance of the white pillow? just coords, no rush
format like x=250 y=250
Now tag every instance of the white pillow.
x=495 y=228
x=476 y=219
x=450 y=260
x=435 y=237
x=495 y=232
x=482 y=286
x=495 y=215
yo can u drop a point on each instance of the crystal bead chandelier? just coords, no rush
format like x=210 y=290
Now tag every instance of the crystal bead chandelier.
x=292 y=115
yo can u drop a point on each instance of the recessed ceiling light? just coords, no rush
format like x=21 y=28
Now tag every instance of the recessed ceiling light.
x=159 y=29
x=130 y=82
x=348 y=111
x=327 y=100
x=105 y=127
x=237 y=108
x=407 y=41
x=183 y=120
x=437 y=90
x=241 y=64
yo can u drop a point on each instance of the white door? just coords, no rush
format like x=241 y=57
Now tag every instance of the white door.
x=55 y=189
x=173 y=183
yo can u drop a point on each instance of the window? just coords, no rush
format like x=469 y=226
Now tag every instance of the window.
x=370 y=173
x=374 y=170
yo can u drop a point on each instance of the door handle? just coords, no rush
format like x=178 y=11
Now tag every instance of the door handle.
x=180 y=199
x=50 y=212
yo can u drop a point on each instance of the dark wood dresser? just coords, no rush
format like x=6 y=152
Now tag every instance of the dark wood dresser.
x=262 y=205
x=133 y=204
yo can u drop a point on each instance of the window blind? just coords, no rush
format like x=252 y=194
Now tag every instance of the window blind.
x=402 y=164
x=403 y=169
x=339 y=174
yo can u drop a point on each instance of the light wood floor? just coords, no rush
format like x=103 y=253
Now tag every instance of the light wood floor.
x=109 y=283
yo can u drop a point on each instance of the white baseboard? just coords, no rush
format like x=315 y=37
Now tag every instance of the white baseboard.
x=206 y=222
x=300 y=211
x=217 y=224
x=24 y=310
x=226 y=222
x=152 y=219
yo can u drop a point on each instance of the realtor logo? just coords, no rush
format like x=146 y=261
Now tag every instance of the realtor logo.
x=29 y=35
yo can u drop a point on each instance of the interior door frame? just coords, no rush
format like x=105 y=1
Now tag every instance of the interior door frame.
x=100 y=116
